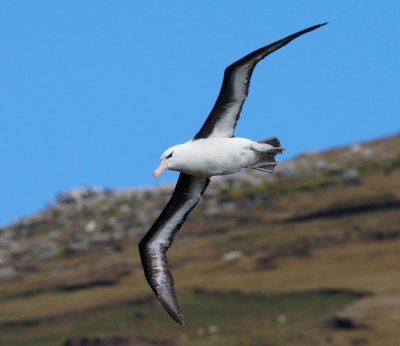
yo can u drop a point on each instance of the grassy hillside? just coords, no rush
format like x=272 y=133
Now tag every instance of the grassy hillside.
x=307 y=256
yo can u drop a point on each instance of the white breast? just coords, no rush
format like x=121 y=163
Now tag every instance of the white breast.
x=216 y=156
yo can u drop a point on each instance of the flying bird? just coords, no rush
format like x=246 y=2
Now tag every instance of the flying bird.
x=213 y=151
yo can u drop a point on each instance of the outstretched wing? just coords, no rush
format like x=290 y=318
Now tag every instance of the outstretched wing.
x=154 y=245
x=235 y=87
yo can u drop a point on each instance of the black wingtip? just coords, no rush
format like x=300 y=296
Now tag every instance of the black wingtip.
x=172 y=310
x=167 y=298
x=311 y=28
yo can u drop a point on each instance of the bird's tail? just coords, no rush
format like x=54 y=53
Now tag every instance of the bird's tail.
x=274 y=141
x=269 y=147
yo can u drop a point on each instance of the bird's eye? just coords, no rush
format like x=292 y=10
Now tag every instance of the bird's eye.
x=170 y=155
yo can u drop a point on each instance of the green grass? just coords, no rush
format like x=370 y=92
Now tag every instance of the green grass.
x=247 y=316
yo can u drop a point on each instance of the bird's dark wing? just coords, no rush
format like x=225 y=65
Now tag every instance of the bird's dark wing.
x=235 y=87
x=154 y=245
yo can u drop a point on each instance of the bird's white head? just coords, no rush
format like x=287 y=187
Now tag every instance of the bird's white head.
x=168 y=160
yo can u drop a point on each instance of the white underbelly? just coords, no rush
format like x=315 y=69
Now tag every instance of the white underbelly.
x=219 y=156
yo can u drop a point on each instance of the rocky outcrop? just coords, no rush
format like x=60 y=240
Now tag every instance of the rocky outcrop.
x=100 y=219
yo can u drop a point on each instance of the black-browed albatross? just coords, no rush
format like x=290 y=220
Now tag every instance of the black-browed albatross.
x=213 y=151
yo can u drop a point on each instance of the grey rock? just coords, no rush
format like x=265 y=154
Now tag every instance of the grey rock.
x=7 y=272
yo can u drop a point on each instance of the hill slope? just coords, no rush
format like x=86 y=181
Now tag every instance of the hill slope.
x=308 y=256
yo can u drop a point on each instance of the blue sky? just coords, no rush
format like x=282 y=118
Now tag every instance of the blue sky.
x=92 y=92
